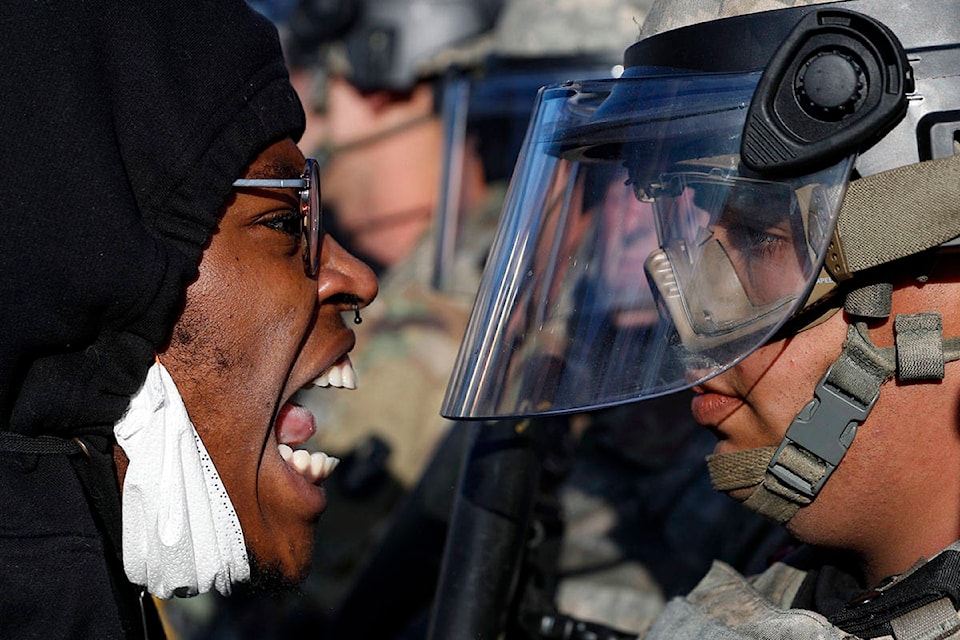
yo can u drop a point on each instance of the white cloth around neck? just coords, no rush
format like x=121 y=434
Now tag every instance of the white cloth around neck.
x=181 y=534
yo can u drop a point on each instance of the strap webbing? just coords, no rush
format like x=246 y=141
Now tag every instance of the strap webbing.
x=748 y=470
x=895 y=214
x=870 y=301
x=739 y=469
x=933 y=621
x=862 y=367
x=919 y=340
x=776 y=499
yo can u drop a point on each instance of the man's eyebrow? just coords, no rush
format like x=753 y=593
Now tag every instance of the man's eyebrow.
x=274 y=170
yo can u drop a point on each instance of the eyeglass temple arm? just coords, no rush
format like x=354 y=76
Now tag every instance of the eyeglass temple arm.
x=283 y=183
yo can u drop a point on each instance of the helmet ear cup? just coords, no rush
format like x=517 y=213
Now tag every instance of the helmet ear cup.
x=837 y=84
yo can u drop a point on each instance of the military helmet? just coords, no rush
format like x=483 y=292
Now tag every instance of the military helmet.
x=381 y=44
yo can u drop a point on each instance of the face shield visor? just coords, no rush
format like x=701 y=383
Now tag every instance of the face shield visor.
x=636 y=256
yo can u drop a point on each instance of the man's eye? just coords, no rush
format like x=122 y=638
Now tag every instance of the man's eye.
x=751 y=242
x=758 y=240
x=289 y=222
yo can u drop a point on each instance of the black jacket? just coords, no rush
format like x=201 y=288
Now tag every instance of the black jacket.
x=123 y=124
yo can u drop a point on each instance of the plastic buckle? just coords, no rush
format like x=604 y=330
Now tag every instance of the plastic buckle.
x=825 y=428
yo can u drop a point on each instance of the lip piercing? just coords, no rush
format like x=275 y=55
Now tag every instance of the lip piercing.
x=356 y=313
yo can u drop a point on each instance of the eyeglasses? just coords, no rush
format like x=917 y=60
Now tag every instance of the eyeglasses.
x=311 y=228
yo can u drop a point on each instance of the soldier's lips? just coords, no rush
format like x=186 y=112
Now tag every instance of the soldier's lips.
x=710 y=408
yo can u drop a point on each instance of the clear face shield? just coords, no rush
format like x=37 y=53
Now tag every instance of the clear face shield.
x=635 y=255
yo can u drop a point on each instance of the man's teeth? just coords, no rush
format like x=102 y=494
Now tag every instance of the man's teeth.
x=314 y=466
x=339 y=375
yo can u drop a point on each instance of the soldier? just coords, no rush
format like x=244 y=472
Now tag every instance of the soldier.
x=372 y=117
x=800 y=168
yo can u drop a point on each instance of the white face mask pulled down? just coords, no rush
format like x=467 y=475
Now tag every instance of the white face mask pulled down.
x=181 y=534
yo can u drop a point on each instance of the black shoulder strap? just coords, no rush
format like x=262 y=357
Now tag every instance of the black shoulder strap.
x=872 y=614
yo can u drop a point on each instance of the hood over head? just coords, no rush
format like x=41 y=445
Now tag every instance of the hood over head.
x=125 y=124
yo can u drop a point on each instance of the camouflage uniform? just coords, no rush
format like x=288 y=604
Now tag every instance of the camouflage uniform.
x=807 y=597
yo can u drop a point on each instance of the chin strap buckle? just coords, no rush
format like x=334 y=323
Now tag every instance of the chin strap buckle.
x=824 y=428
x=820 y=435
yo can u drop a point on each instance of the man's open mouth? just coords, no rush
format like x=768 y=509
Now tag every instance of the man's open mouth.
x=295 y=425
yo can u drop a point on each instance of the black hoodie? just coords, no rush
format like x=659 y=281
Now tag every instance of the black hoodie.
x=123 y=124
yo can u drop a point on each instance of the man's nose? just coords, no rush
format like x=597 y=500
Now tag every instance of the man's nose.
x=345 y=276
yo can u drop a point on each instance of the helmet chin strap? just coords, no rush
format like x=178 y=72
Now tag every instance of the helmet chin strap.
x=782 y=479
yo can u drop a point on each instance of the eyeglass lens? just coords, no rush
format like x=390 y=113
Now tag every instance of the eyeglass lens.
x=312 y=218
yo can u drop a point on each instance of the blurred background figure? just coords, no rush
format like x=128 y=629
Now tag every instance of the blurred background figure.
x=372 y=119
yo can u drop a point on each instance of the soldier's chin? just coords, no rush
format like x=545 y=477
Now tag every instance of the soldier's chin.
x=269 y=578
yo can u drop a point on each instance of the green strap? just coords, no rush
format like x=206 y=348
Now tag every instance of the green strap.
x=790 y=476
x=919 y=346
x=822 y=432
x=778 y=500
x=870 y=300
x=862 y=366
x=739 y=469
x=815 y=444
x=895 y=214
